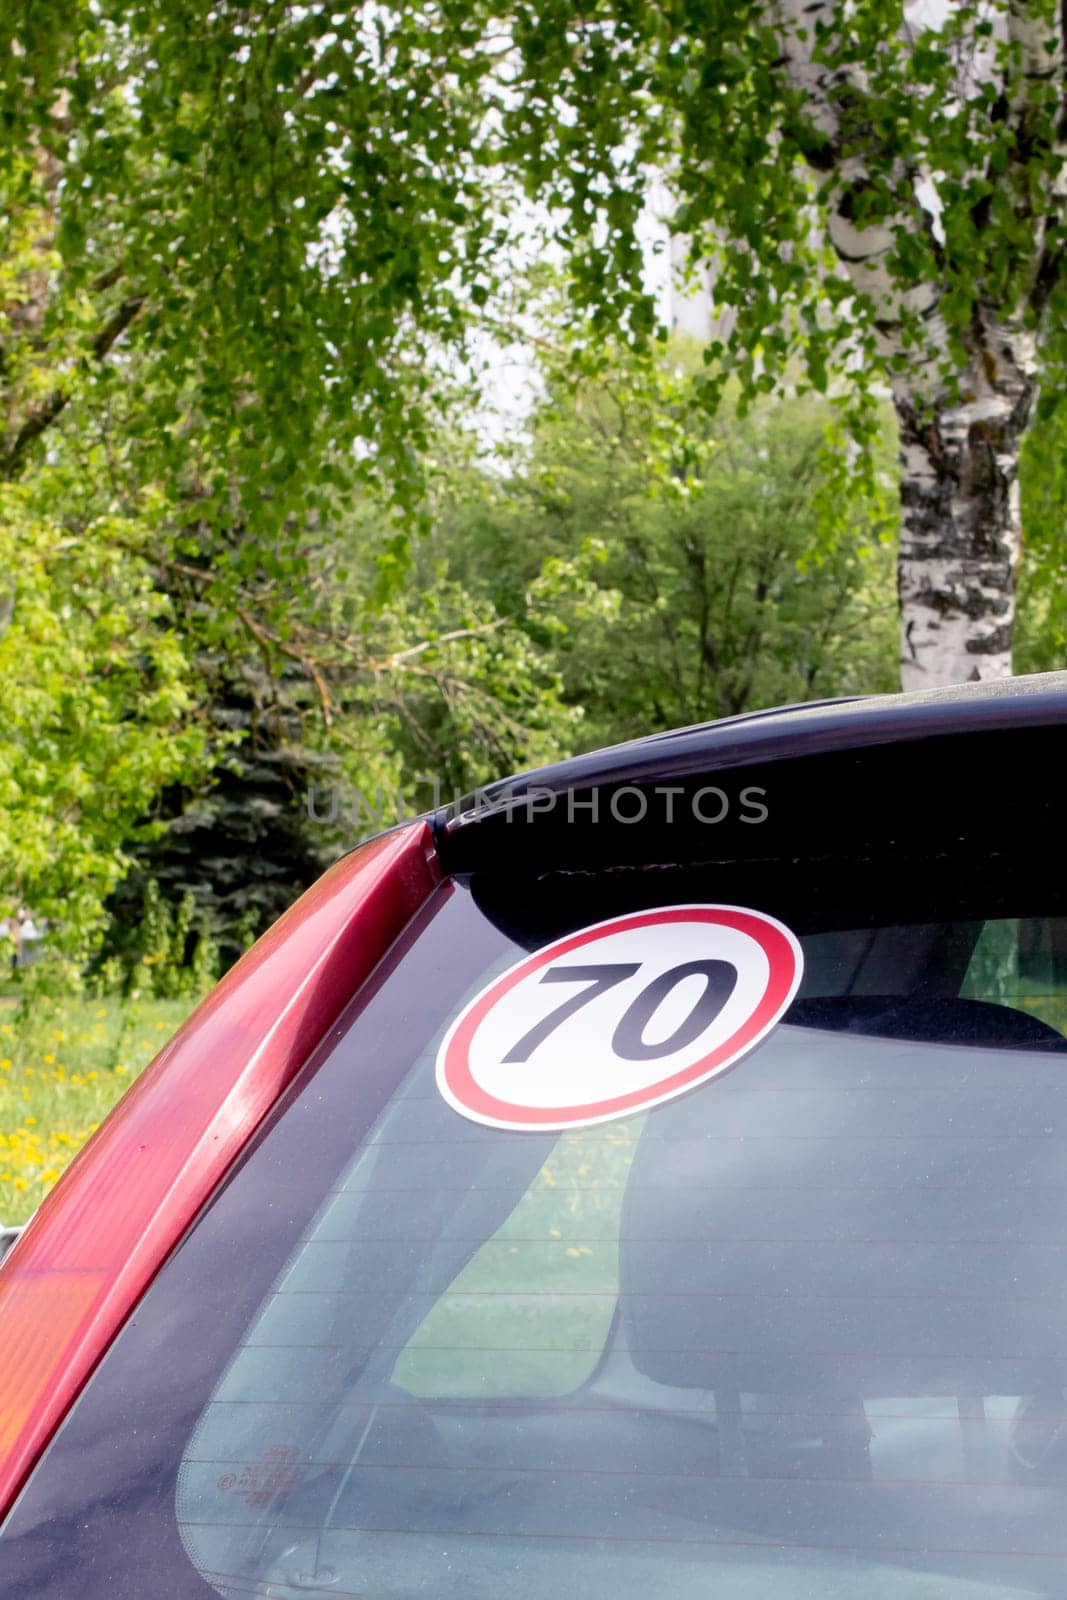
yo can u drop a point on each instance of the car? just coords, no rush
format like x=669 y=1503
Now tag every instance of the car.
x=646 y=1176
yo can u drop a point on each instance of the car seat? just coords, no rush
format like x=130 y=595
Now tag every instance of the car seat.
x=849 y=1214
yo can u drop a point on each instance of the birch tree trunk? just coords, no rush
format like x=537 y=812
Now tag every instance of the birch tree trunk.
x=960 y=432
x=960 y=536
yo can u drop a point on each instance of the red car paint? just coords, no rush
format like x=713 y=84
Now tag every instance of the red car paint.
x=80 y=1267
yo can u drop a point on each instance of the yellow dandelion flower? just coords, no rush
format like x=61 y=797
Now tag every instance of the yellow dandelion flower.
x=48 y=1058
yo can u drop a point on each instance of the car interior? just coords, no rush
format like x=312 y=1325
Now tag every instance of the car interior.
x=819 y=1325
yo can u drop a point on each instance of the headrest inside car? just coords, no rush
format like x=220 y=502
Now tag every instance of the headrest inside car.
x=783 y=1222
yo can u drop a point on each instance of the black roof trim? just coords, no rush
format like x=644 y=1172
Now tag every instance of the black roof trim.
x=779 y=734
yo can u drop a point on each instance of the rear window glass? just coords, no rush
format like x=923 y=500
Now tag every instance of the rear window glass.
x=802 y=1331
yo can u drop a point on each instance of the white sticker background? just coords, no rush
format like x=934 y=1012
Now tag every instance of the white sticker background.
x=576 y=1062
x=575 y=1076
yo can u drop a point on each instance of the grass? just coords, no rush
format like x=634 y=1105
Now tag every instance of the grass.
x=63 y=1064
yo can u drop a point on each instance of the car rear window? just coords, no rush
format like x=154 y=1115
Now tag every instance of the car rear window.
x=801 y=1331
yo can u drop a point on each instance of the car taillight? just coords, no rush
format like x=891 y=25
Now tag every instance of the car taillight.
x=78 y=1269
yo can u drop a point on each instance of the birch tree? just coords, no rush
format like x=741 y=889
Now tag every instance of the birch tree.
x=946 y=220
x=292 y=213
x=880 y=190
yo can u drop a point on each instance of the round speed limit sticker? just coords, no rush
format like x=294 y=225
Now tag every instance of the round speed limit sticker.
x=619 y=1017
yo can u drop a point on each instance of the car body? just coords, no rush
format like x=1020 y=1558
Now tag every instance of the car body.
x=729 y=1263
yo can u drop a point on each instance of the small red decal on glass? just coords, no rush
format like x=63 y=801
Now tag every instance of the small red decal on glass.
x=619 y=1017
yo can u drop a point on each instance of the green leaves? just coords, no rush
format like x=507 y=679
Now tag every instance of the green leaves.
x=307 y=204
x=285 y=196
x=675 y=567
x=246 y=253
x=96 y=703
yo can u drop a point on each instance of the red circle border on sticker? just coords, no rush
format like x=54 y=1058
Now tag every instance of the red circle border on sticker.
x=785 y=963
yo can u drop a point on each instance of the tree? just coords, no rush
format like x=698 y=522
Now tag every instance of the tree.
x=97 y=703
x=880 y=197
x=449 y=679
x=273 y=224
x=712 y=580
x=231 y=840
x=940 y=166
x=254 y=222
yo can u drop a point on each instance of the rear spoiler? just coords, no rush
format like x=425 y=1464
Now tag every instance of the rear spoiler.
x=783 y=806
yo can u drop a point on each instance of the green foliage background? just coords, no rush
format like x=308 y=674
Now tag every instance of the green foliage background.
x=252 y=541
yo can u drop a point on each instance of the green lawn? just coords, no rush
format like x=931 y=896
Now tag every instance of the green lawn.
x=63 y=1064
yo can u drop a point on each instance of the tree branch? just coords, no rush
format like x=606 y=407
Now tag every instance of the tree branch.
x=42 y=417
x=445 y=638
x=837 y=144
x=270 y=640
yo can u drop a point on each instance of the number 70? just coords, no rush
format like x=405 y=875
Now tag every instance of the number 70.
x=628 y=1040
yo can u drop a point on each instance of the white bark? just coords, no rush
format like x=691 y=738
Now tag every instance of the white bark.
x=961 y=431
x=961 y=536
